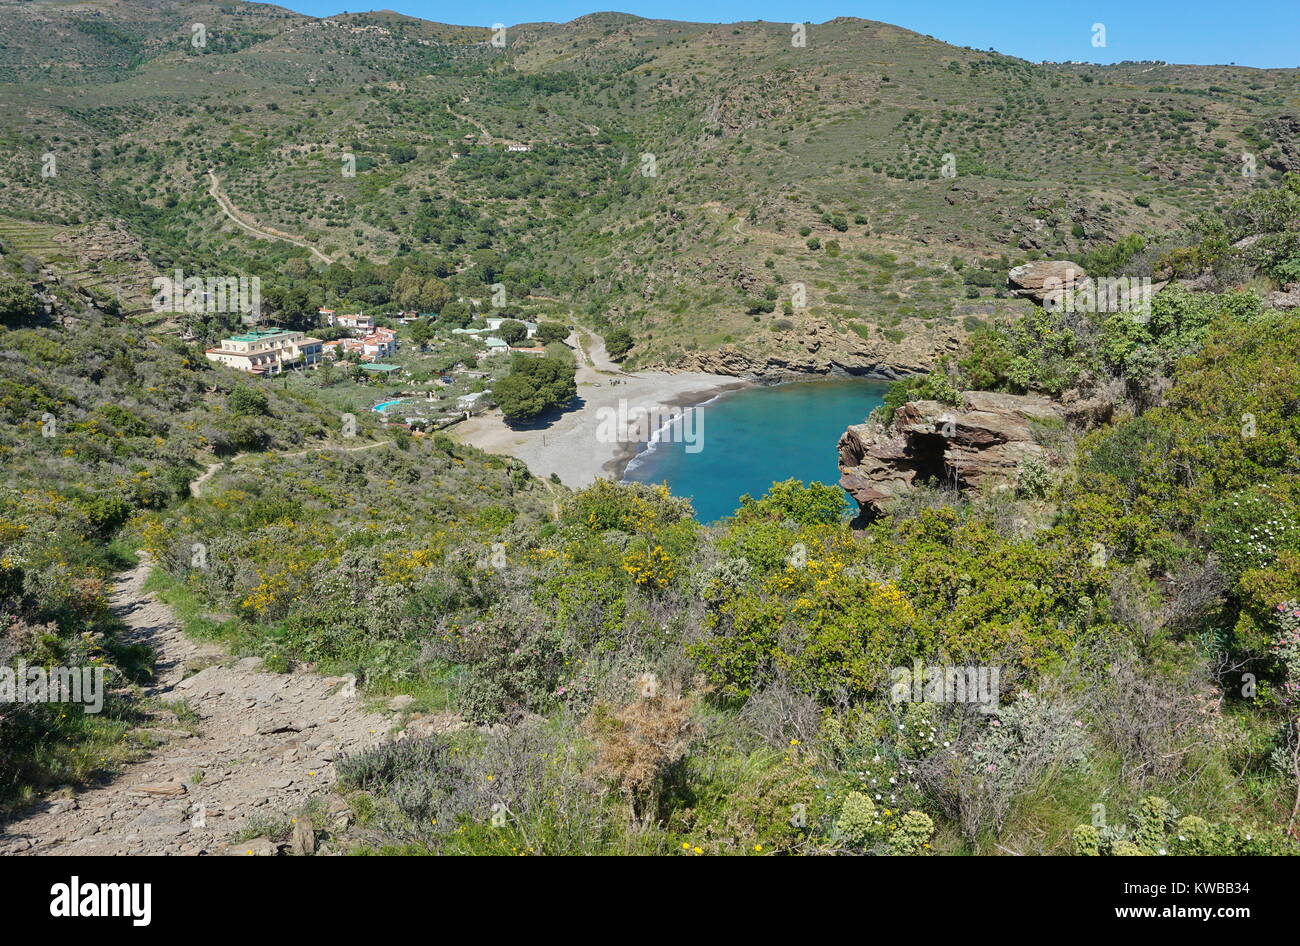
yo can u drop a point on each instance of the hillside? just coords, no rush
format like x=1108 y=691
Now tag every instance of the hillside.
x=682 y=178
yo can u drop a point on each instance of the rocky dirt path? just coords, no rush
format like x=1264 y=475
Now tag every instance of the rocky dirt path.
x=262 y=744
x=264 y=232
x=197 y=484
x=593 y=356
x=491 y=138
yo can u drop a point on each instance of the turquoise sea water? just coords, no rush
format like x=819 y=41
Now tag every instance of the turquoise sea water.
x=757 y=436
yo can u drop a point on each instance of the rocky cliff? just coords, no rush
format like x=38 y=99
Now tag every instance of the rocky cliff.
x=813 y=347
x=983 y=443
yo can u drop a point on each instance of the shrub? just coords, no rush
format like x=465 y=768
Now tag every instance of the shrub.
x=937 y=386
x=641 y=748
x=635 y=508
x=859 y=823
x=912 y=836
x=1249 y=529
x=18 y=301
x=811 y=504
x=997 y=758
x=514 y=668
x=775 y=803
x=1085 y=841
x=1033 y=479
x=247 y=402
x=1157 y=829
x=416 y=777
x=986 y=363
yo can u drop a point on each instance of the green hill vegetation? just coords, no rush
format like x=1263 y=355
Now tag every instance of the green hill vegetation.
x=630 y=681
x=681 y=177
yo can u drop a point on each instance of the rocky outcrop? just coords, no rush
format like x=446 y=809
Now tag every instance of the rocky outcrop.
x=1043 y=280
x=1288 y=298
x=981 y=444
x=1285 y=132
x=812 y=347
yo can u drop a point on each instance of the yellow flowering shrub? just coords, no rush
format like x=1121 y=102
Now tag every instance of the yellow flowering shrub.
x=651 y=568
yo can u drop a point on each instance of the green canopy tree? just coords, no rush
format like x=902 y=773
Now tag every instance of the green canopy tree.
x=548 y=332
x=534 y=386
x=618 y=342
x=455 y=313
x=422 y=332
x=512 y=332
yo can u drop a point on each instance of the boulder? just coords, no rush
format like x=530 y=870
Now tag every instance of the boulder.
x=1288 y=298
x=980 y=444
x=257 y=847
x=157 y=735
x=303 y=842
x=1043 y=280
x=168 y=789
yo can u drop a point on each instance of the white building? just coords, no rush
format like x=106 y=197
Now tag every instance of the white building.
x=267 y=351
x=494 y=325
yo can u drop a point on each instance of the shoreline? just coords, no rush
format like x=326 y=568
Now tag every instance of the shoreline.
x=646 y=447
x=631 y=450
x=568 y=445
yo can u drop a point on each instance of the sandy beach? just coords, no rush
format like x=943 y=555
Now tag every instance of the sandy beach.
x=575 y=445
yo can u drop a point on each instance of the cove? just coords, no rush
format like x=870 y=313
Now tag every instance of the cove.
x=757 y=436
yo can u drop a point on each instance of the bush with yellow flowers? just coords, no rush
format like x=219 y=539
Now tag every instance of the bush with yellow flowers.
x=649 y=568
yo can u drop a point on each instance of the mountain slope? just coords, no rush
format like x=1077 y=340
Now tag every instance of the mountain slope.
x=682 y=177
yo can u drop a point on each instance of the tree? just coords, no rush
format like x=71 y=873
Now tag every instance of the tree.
x=618 y=343
x=488 y=263
x=291 y=304
x=455 y=313
x=534 y=386
x=434 y=294
x=548 y=332
x=401 y=154
x=512 y=332
x=425 y=294
x=421 y=332
x=406 y=289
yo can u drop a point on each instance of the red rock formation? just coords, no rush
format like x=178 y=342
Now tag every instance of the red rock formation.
x=980 y=444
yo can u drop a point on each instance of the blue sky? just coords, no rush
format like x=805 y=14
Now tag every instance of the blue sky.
x=1263 y=33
